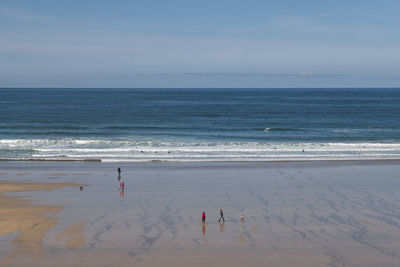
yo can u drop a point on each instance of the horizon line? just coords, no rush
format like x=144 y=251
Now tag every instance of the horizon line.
x=311 y=87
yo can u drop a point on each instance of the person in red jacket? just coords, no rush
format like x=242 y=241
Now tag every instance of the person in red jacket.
x=203 y=217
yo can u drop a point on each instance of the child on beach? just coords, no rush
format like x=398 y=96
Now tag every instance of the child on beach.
x=203 y=217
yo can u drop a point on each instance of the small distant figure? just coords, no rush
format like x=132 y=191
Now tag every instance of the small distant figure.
x=221 y=216
x=81 y=188
x=242 y=218
x=203 y=217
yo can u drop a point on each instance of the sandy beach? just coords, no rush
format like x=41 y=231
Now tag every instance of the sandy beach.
x=327 y=213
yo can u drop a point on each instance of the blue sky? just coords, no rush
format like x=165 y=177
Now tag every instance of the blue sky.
x=204 y=43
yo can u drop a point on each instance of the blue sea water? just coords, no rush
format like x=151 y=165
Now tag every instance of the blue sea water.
x=199 y=124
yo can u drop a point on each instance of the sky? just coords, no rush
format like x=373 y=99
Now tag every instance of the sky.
x=198 y=44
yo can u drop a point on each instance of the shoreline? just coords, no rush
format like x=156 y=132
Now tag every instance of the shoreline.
x=67 y=160
x=392 y=161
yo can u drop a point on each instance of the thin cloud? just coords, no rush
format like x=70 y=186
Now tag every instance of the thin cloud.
x=24 y=15
x=266 y=75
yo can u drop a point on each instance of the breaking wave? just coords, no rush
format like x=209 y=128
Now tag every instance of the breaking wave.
x=131 y=150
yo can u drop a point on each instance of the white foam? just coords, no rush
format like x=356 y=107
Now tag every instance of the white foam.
x=133 y=150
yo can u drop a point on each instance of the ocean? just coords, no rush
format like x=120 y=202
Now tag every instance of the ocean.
x=199 y=124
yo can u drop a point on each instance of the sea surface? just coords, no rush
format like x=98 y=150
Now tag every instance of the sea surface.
x=199 y=124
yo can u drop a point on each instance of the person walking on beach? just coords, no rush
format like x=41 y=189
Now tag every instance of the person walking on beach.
x=221 y=216
x=203 y=217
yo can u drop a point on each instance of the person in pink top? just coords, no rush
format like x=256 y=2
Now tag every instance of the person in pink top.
x=203 y=217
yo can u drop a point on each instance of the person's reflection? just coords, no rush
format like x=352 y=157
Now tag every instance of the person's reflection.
x=121 y=189
x=221 y=227
x=203 y=228
x=119 y=174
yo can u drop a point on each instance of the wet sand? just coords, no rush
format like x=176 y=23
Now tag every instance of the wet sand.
x=28 y=221
x=296 y=214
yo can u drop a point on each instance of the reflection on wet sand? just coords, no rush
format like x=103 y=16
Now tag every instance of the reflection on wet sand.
x=254 y=229
x=221 y=227
x=74 y=236
x=241 y=239
x=22 y=174
x=29 y=220
x=297 y=214
x=58 y=174
x=122 y=189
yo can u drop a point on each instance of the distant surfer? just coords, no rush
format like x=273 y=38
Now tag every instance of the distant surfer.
x=119 y=171
x=221 y=216
x=203 y=217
